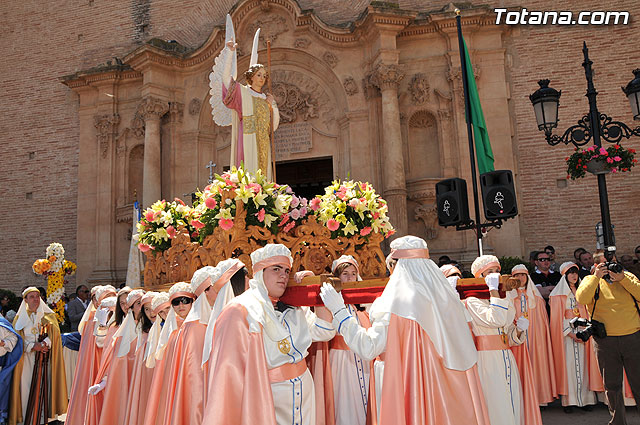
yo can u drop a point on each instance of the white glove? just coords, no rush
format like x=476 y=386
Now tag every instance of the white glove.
x=301 y=275
x=493 y=281
x=453 y=281
x=95 y=389
x=522 y=323
x=47 y=341
x=102 y=316
x=331 y=299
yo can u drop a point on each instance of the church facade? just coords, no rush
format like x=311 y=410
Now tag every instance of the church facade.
x=373 y=93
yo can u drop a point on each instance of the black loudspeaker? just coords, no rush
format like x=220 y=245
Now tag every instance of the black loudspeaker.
x=451 y=200
x=498 y=195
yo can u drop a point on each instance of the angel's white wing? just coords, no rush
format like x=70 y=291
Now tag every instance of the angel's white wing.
x=225 y=66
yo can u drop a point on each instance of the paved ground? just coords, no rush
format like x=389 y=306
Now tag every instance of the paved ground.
x=554 y=415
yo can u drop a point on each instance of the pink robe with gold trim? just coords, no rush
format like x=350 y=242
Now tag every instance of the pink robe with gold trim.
x=117 y=389
x=95 y=402
x=419 y=389
x=239 y=386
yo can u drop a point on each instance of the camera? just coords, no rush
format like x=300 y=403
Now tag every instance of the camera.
x=591 y=327
x=614 y=267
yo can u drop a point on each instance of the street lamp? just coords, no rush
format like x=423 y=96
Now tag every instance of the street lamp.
x=593 y=125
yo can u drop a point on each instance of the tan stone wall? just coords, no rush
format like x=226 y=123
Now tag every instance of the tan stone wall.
x=43 y=42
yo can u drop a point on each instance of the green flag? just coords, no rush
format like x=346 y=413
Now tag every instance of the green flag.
x=484 y=154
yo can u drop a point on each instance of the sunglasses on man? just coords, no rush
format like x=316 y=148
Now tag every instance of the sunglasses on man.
x=181 y=300
x=543 y=259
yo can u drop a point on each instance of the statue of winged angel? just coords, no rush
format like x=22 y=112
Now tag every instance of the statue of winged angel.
x=251 y=113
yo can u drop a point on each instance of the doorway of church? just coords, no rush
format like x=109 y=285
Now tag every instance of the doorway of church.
x=307 y=177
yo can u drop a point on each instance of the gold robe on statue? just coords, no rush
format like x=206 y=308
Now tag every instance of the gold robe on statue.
x=58 y=397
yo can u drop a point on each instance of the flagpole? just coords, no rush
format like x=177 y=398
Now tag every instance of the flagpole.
x=467 y=108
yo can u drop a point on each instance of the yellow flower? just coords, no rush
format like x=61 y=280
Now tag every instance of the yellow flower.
x=260 y=199
x=161 y=233
x=268 y=219
x=350 y=228
x=244 y=194
x=223 y=213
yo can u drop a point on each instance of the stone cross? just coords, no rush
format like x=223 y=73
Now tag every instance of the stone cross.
x=210 y=166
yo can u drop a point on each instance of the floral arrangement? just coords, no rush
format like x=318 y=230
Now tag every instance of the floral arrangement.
x=160 y=222
x=268 y=204
x=55 y=268
x=348 y=208
x=614 y=158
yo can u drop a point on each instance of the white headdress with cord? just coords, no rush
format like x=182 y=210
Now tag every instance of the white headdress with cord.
x=256 y=299
x=22 y=317
x=562 y=287
x=417 y=290
x=221 y=281
x=201 y=280
x=532 y=290
x=128 y=329
x=180 y=289
x=103 y=292
x=483 y=263
x=348 y=259
x=159 y=303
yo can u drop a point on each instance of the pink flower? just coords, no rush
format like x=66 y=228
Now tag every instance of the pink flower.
x=285 y=218
x=229 y=183
x=178 y=200
x=210 y=203
x=303 y=211
x=171 y=231
x=353 y=203
x=148 y=215
x=255 y=187
x=260 y=214
x=195 y=234
x=295 y=214
x=197 y=224
x=365 y=231
x=376 y=215
x=208 y=188
x=226 y=223
x=289 y=190
x=144 y=247
x=315 y=204
x=289 y=226
x=590 y=148
x=610 y=160
x=617 y=158
x=603 y=151
x=333 y=224
x=295 y=201
x=391 y=233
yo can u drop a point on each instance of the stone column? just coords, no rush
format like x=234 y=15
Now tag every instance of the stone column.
x=387 y=78
x=152 y=110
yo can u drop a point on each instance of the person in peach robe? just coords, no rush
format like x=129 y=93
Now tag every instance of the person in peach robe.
x=88 y=358
x=576 y=366
x=187 y=405
x=258 y=372
x=530 y=304
x=140 y=375
x=181 y=298
x=430 y=372
x=115 y=380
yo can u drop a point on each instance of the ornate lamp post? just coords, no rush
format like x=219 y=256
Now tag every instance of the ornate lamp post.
x=594 y=125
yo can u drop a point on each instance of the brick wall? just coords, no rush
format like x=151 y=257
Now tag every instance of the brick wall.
x=39 y=117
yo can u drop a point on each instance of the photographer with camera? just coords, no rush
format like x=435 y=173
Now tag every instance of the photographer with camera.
x=610 y=295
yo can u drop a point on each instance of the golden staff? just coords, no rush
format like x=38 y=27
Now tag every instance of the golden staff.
x=273 y=140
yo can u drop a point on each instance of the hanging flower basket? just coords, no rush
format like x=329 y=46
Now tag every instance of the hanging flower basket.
x=597 y=166
x=595 y=160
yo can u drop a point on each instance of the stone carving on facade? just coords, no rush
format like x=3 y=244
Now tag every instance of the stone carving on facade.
x=330 y=58
x=419 y=88
x=271 y=26
x=386 y=76
x=107 y=127
x=293 y=102
x=194 y=106
x=421 y=119
x=176 y=111
x=301 y=43
x=350 y=86
x=152 y=107
x=454 y=75
x=369 y=89
x=428 y=213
